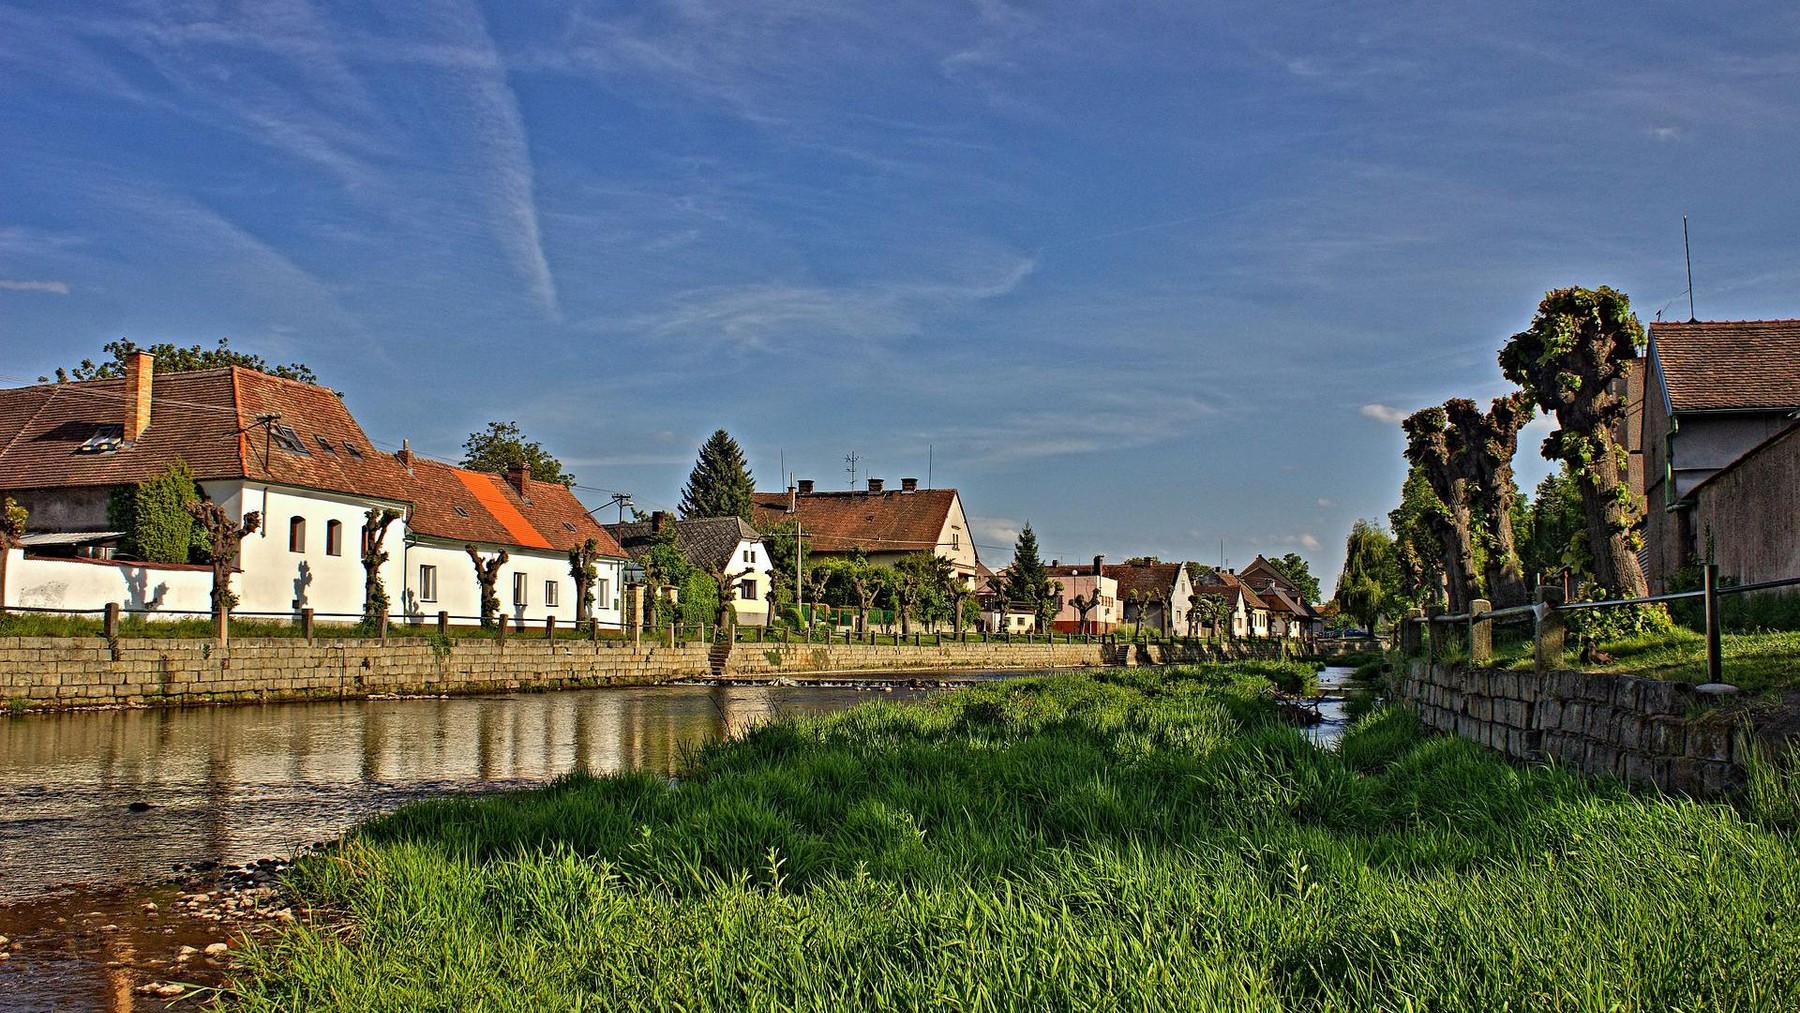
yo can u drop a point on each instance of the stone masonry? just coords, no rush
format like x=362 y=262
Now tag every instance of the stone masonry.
x=1639 y=730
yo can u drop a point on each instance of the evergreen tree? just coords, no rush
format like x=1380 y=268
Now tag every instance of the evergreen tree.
x=1027 y=579
x=720 y=484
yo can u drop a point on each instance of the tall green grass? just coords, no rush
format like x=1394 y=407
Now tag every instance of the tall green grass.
x=1132 y=840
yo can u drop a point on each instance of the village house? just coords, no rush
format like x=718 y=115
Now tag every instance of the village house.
x=291 y=452
x=713 y=545
x=1290 y=614
x=1247 y=615
x=1721 y=454
x=881 y=523
x=1154 y=593
x=1090 y=583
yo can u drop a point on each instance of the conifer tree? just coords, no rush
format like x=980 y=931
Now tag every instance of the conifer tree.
x=1027 y=580
x=720 y=484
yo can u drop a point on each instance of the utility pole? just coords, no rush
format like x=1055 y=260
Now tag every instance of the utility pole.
x=799 y=584
x=620 y=500
x=851 y=459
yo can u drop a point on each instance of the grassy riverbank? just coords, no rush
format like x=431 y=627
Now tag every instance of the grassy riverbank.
x=1142 y=840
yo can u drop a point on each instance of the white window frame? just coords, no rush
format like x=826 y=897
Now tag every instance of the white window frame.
x=552 y=594
x=427 y=582
x=521 y=588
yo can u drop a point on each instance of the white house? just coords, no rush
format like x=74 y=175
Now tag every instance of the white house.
x=721 y=546
x=881 y=523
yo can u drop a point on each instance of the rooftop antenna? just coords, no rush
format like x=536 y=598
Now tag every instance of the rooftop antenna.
x=1688 y=252
x=928 y=460
x=851 y=460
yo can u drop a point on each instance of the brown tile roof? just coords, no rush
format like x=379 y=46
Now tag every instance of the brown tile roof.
x=1729 y=365
x=1150 y=580
x=208 y=418
x=460 y=505
x=1231 y=588
x=842 y=522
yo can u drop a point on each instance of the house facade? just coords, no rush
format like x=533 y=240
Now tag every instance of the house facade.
x=1154 y=593
x=1290 y=614
x=881 y=523
x=716 y=545
x=1719 y=395
x=1089 y=583
x=1247 y=615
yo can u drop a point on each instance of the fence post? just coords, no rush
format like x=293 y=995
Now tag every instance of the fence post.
x=549 y=629
x=1434 y=632
x=500 y=632
x=671 y=635
x=1715 y=659
x=111 y=623
x=1481 y=632
x=306 y=624
x=1412 y=633
x=594 y=628
x=381 y=627
x=1552 y=630
x=443 y=624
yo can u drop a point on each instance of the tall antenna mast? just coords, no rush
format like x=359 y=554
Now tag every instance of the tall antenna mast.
x=928 y=460
x=1688 y=252
x=850 y=460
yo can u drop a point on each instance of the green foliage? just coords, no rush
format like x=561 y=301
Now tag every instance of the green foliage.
x=720 y=484
x=502 y=444
x=1027 y=579
x=782 y=541
x=699 y=599
x=173 y=359
x=154 y=517
x=1418 y=550
x=1296 y=569
x=1128 y=840
x=1599 y=626
x=13 y=518
x=1557 y=533
x=1369 y=587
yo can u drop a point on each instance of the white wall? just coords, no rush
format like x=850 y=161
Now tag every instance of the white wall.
x=752 y=556
x=459 y=595
x=277 y=580
x=92 y=584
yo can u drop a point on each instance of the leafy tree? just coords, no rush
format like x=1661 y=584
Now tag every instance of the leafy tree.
x=1430 y=451
x=1483 y=446
x=1570 y=361
x=487 y=578
x=1295 y=569
x=173 y=359
x=784 y=544
x=1028 y=580
x=12 y=535
x=700 y=599
x=720 y=484
x=924 y=579
x=374 y=554
x=1557 y=528
x=1417 y=524
x=1369 y=586
x=502 y=444
x=154 y=516
x=1209 y=609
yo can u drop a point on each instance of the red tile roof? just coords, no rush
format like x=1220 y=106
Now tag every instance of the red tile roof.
x=1729 y=365
x=1230 y=588
x=460 y=505
x=842 y=522
x=1155 y=581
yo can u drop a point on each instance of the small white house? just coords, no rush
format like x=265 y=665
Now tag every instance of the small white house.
x=721 y=546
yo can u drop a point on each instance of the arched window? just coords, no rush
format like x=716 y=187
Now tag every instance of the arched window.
x=297 y=534
x=334 y=538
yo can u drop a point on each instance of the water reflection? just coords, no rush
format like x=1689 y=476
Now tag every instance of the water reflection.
x=234 y=784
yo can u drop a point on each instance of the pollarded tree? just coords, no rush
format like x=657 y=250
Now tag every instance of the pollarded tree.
x=223 y=536
x=487 y=578
x=720 y=484
x=1211 y=609
x=1483 y=446
x=1571 y=361
x=374 y=554
x=585 y=572
x=1419 y=524
x=1429 y=451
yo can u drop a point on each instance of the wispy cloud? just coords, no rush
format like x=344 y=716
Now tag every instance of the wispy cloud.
x=54 y=287
x=1382 y=413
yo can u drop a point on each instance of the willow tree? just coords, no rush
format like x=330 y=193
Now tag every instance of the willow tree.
x=1429 y=449
x=1367 y=588
x=1482 y=447
x=1571 y=361
x=487 y=576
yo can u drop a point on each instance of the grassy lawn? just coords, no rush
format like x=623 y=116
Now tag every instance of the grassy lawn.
x=1127 y=840
x=1754 y=662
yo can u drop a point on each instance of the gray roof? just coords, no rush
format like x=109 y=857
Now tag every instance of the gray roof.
x=706 y=542
x=40 y=539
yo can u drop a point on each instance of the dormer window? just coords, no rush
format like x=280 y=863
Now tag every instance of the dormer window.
x=324 y=444
x=460 y=512
x=350 y=448
x=568 y=526
x=288 y=440
x=106 y=440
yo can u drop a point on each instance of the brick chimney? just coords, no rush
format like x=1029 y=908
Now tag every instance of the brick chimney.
x=405 y=456
x=875 y=484
x=909 y=485
x=1099 y=569
x=140 y=378
x=658 y=521
x=518 y=475
x=806 y=487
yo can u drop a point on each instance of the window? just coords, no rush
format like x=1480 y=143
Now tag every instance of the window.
x=297 y=534
x=324 y=444
x=351 y=448
x=427 y=583
x=747 y=590
x=955 y=541
x=567 y=526
x=550 y=590
x=106 y=440
x=603 y=593
x=288 y=440
x=749 y=555
x=460 y=512
x=519 y=587
x=334 y=538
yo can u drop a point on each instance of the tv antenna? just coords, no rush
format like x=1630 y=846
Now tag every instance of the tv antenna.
x=850 y=461
x=1688 y=252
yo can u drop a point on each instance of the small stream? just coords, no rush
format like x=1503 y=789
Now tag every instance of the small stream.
x=1333 y=703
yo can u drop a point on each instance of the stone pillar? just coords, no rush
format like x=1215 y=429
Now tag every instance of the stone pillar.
x=112 y=620
x=1547 y=643
x=381 y=629
x=1481 y=632
x=500 y=632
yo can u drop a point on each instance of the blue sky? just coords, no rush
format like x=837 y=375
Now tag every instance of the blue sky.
x=1152 y=277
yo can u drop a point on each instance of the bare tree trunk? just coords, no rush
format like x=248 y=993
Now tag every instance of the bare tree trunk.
x=1609 y=524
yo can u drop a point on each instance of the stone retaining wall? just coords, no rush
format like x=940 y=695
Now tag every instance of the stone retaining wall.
x=1640 y=730
x=46 y=673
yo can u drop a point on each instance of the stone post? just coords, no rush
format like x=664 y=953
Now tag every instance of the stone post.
x=500 y=632
x=1481 y=632
x=381 y=629
x=1547 y=642
x=1412 y=632
x=636 y=619
x=306 y=624
x=443 y=624
x=549 y=629
x=112 y=620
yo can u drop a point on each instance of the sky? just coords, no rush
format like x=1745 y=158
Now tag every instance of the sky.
x=1158 y=279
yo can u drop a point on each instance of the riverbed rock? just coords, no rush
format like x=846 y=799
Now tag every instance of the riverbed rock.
x=216 y=949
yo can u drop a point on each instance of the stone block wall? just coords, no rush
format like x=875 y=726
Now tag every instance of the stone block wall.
x=1639 y=730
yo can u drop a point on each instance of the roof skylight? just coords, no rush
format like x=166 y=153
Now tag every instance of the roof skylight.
x=106 y=440
x=288 y=440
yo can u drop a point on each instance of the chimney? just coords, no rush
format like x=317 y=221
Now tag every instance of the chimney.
x=658 y=521
x=1099 y=571
x=405 y=456
x=1056 y=562
x=806 y=487
x=909 y=485
x=792 y=506
x=875 y=485
x=518 y=475
x=140 y=377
